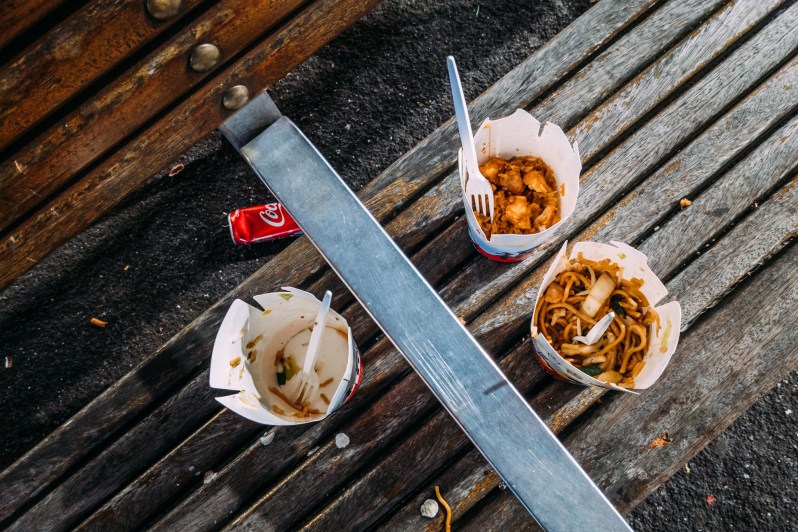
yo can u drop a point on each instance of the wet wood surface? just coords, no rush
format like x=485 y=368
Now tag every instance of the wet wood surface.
x=692 y=115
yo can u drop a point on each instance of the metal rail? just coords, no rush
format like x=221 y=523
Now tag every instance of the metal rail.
x=501 y=424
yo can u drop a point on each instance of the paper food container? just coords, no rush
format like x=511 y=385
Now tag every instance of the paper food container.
x=663 y=340
x=249 y=341
x=520 y=135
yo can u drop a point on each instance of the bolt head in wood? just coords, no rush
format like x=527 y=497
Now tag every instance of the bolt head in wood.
x=163 y=9
x=204 y=57
x=235 y=97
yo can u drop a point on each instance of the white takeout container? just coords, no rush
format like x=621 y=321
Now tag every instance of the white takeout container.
x=520 y=135
x=634 y=266
x=283 y=317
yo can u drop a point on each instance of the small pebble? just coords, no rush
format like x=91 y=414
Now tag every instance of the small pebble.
x=341 y=440
x=267 y=438
x=429 y=508
x=788 y=411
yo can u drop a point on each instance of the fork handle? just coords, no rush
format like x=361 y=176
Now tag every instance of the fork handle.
x=318 y=330
x=461 y=113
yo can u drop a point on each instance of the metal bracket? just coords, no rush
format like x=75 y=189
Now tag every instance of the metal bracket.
x=501 y=424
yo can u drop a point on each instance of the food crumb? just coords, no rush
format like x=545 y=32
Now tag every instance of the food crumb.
x=98 y=322
x=176 y=169
x=684 y=203
x=687 y=468
x=461 y=320
x=711 y=499
x=660 y=441
x=127 y=267
x=235 y=362
x=20 y=166
x=429 y=508
x=9 y=362
x=313 y=451
x=267 y=439
x=341 y=440
x=210 y=476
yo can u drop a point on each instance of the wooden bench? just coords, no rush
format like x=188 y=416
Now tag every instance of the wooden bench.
x=668 y=100
x=90 y=110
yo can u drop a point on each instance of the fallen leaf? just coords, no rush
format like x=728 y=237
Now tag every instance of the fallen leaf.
x=660 y=441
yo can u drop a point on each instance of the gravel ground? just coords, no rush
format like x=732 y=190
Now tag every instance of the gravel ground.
x=162 y=257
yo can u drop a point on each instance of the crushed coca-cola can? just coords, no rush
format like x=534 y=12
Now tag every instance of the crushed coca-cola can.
x=261 y=224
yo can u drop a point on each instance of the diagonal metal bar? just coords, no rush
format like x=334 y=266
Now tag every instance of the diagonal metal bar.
x=466 y=380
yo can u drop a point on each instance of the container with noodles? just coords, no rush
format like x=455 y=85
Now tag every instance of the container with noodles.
x=258 y=350
x=578 y=291
x=535 y=177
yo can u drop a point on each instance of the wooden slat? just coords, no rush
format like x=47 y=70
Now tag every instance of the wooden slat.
x=166 y=478
x=328 y=467
x=699 y=287
x=202 y=507
x=778 y=154
x=156 y=376
x=642 y=152
x=135 y=162
x=128 y=102
x=704 y=392
x=70 y=57
x=647 y=90
x=18 y=15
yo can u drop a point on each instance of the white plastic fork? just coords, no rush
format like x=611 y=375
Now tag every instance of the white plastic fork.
x=597 y=331
x=477 y=189
x=305 y=384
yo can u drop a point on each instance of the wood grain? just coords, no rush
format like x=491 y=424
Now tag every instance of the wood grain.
x=70 y=57
x=131 y=100
x=17 y=15
x=152 y=380
x=666 y=75
x=697 y=288
x=136 y=162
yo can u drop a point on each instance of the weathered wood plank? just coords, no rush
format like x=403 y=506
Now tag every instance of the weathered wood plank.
x=68 y=58
x=704 y=393
x=135 y=162
x=665 y=76
x=272 y=510
x=641 y=153
x=379 y=488
x=155 y=377
x=698 y=288
x=18 y=15
x=130 y=166
x=137 y=501
x=615 y=66
x=196 y=508
x=744 y=186
x=778 y=152
x=128 y=102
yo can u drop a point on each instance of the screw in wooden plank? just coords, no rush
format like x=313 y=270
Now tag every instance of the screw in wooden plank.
x=235 y=97
x=204 y=57
x=163 y=9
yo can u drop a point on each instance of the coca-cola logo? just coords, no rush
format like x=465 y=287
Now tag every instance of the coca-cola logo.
x=273 y=215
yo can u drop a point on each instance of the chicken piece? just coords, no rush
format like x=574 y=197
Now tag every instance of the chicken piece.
x=517 y=212
x=554 y=293
x=546 y=218
x=511 y=180
x=536 y=181
x=491 y=168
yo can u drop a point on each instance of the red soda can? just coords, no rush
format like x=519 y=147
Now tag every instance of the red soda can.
x=261 y=223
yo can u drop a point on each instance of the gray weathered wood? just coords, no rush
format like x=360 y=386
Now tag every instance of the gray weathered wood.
x=397 y=185
x=698 y=288
x=665 y=76
x=704 y=392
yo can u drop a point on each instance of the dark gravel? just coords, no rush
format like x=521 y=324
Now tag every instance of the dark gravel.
x=162 y=257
